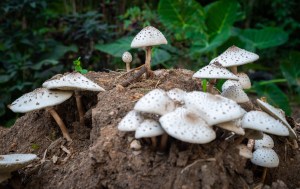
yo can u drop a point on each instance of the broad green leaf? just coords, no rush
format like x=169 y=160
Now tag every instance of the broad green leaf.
x=183 y=16
x=263 y=38
x=60 y=50
x=116 y=48
x=220 y=16
x=274 y=95
x=159 y=56
x=290 y=68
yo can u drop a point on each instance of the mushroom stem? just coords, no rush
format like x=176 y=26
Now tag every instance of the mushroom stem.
x=154 y=142
x=211 y=85
x=79 y=107
x=148 y=60
x=163 y=142
x=263 y=177
x=234 y=70
x=60 y=123
x=127 y=66
x=250 y=144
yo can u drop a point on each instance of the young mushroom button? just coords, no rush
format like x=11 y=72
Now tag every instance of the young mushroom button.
x=265 y=157
x=127 y=58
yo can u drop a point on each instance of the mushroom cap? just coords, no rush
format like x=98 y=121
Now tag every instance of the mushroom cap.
x=148 y=36
x=213 y=108
x=149 y=128
x=127 y=57
x=73 y=81
x=277 y=114
x=131 y=121
x=244 y=151
x=235 y=56
x=13 y=162
x=156 y=101
x=38 y=99
x=234 y=126
x=214 y=71
x=177 y=94
x=187 y=126
x=266 y=141
x=244 y=80
x=230 y=83
x=265 y=157
x=235 y=93
x=258 y=120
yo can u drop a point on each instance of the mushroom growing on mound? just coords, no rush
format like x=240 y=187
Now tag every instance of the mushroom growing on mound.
x=43 y=98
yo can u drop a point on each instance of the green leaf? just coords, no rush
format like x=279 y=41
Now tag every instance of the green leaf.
x=83 y=71
x=60 y=50
x=159 y=56
x=274 y=95
x=183 y=16
x=263 y=38
x=290 y=68
x=220 y=16
x=116 y=48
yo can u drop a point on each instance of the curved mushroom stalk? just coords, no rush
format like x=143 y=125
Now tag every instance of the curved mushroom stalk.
x=60 y=123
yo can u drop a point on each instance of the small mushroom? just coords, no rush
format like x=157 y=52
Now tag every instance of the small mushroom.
x=230 y=83
x=127 y=58
x=43 y=98
x=265 y=157
x=187 y=126
x=177 y=95
x=234 y=126
x=13 y=162
x=238 y=95
x=146 y=38
x=131 y=121
x=266 y=141
x=244 y=151
x=74 y=82
x=244 y=80
x=213 y=72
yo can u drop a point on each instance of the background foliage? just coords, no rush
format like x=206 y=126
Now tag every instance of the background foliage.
x=40 y=38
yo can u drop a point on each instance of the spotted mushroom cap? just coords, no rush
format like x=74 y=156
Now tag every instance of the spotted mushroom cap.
x=213 y=108
x=214 y=71
x=235 y=56
x=149 y=36
x=235 y=93
x=234 y=126
x=244 y=151
x=38 y=99
x=244 y=80
x=73 y=81
x=149 y=128
x=127 y=57
x=265 y=157
x=266 y=141
x=131 y=121
x=13 y=162
x=156 y=102
x=187 y=126
x=229 y=83
x=258 y=120
x=177 y=94
x=277 y=114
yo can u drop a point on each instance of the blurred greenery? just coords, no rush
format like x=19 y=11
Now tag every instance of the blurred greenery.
x=40 y=38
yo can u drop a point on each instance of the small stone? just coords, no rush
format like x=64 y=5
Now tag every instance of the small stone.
x=135 y=145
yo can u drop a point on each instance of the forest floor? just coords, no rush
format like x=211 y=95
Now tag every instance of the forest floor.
x=100 y=156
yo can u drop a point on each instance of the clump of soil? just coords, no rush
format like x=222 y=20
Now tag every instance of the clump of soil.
x=100 y=157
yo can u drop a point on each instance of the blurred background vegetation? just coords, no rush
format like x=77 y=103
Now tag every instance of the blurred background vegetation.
x=40 y=38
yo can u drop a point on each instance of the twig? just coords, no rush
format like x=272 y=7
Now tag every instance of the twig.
x=134 y=77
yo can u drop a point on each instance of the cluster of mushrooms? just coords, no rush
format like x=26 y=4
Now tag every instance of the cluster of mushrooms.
x=193 y=116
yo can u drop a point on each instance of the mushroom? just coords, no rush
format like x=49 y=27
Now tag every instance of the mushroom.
x=131 y=121
x=146 y=38
x=127 y=58
x=234 y=126
x=43 y=98
x=266 y=141
x=244 y=80
x=76 y=82
x=265 y=157
x=230 y=83
x=149 y=128
x=234 y=57
x=177 y=95
x=213 y=72
x=244 y=151
x=13 y=162
x=213 y=109
x=277 y=114
x=187 y=126
x=258 y=120
x=238 y=95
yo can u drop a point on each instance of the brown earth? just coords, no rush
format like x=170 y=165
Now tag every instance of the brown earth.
x=100 y=156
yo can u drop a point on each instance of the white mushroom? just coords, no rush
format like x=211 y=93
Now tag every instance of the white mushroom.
x=230 y=83
x=266 y=141
x=187 y=126
x=43 y=98
x=127 y=58
x=244 y=151
x=265 y=157
x=234 y=126
x=13 y=162
x=258 y=120
x=236 y=94
x=244 y=80
x=131 y=121
x=177 y=95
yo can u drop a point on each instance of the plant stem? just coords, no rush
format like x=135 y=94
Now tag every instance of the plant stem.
x=127 y=66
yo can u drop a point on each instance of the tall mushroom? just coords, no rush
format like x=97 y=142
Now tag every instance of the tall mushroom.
x=43 y=98
x=146 y=38
x=75 y=82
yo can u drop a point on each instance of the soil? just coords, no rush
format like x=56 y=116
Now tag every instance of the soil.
x=100 y=156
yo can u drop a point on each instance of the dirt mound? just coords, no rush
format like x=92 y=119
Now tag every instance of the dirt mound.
x=100 y=156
